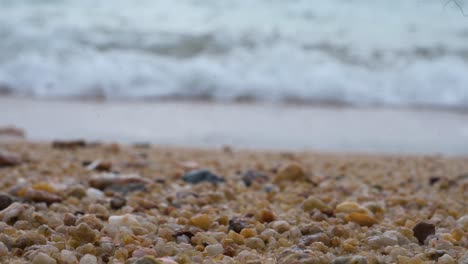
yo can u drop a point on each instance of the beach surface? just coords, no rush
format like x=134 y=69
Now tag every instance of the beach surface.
x=65 y=202
x=246 y=126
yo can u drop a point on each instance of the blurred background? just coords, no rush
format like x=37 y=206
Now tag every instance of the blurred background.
x=339 y=75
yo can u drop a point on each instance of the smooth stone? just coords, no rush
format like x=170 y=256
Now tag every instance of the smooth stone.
x=199 y=176
x=5 y=201
x=290 y=172
x=8 y=159
x=422 y=230
x=117 y=202
x=88 y=259
x=68 y=257
x=251 y=177
x=42 y=258
x=94 y=194
x=214 y=250
x=237 y=224
x=381 y=241
x=126 y=220
x=3 y=250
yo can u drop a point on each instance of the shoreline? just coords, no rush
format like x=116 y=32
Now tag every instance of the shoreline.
x=242 y=126
x=126 y=204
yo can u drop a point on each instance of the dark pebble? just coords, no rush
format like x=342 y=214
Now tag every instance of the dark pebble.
x=117 y=202
x=422 y=230
x=199 y=176
x=250 y=177
x=8 y=159
x=71 y=144
x=237 y=224
x=5 y=201
x=433 y=180
x=127 y=188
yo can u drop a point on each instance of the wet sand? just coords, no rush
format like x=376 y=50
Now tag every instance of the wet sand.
x=66 y=202
x=248 y=126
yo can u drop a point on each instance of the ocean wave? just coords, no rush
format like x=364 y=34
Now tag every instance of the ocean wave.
x=363 y=53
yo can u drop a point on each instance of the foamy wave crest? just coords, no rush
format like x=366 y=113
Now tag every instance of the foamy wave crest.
x=326 y=52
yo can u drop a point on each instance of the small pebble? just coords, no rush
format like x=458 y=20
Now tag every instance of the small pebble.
x=214 y=250
x=42 y=258
x=68 y=144
x=3 y=250
x=280 y=226
x=69 y=219
x=237 y=224
x=203 y=221
x=422 y=230
x=199 y=176
x=290 y=172
x=255 y=243
x=5 y=201
x=8 y=159
x=88 y=259
x=118 y=202
x=68 y=257
x=42 y=197
x=446 y=259
x=126 y=220
x=312 y=203
x=362 y=219
x=94 y=194
x=251 y=177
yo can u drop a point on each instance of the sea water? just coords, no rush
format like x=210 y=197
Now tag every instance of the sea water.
x=359 y=52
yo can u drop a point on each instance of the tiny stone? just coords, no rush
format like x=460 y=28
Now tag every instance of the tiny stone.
x=312 y=203
x=42 y=197
x=237 y=224
x=118 y=202
x=68 y=257
x=280 y=226
x=251 y=177
x=3 y=250
x=214 y=250
x=199 y=176
x=42 y=258
x=203 y=221
x=255 y=243
x=83 y=234
x=70 y=144
x=8 y=159
x=362 y=219
x=422 y=230
x=5 y=201
x=29 y=239
x=127 y=220
x=290 y=172
x=94 y=194
x=446 y=259
x=69 y=219
x=88 y=259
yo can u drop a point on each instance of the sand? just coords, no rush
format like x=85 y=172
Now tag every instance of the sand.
x=109 y=203
x=250 y=126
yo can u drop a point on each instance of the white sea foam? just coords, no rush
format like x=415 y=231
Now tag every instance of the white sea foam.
x=400 y=52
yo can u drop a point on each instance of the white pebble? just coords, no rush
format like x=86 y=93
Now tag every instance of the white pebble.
x=94 y=194
x=381 y=241
x=126 y=220
x=463 y=221
x=214 y=250
x=42 y=258
x=446 y=259
x=88 y=259
x=68 y=257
